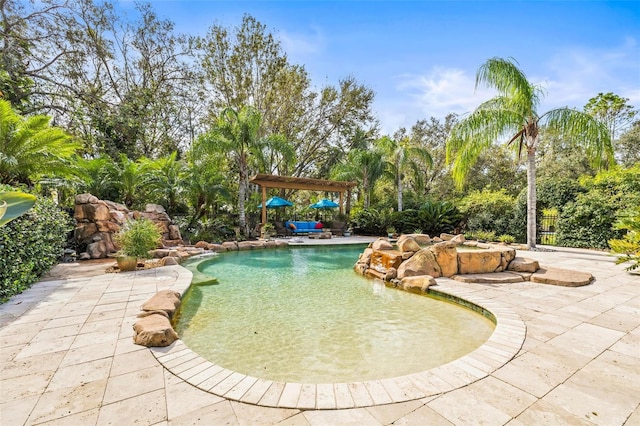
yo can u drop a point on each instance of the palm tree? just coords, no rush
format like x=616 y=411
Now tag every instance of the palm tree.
x=403 y=154
x=236 y=135
x=513 y=114
x=130 y=178
x=30 y=148
x=165 y=180
x=364 y=166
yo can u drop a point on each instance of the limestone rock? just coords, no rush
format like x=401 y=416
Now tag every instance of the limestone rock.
x=202 y=244
x=174 y=233
x=107 y=226
x=561 y=277
x=218 y=248
x=478 y=261
x=407 y=255
x=446 y=237
x=490 y=278
x=422 y=262
x=436 y=240
x=245 y=245
x=382 y=260
x=365 y=256
x=382 y=244
x=408 y=244
x=417 y=284
x=164 y=300
x=154 y=330
x=118 y=217
x=458 y=239
x=84 y=256
x=391 y=274
x=447 y=258
x=97 y=250
x=85 y=198
x=230 y=245
x=95 y=212
x=421 y=239
x=169 y=260
x=360 y=268
x=282 y=244
x=521 y=264
x=154 y=208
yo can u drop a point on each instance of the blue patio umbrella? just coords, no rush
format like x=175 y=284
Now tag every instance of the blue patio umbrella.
x=324 y=204
x=275 y=202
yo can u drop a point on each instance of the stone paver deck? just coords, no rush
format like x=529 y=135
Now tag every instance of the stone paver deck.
x=67 y=357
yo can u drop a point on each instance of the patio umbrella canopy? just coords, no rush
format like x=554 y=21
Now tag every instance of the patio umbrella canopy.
x=324 y=204
x=275 y=202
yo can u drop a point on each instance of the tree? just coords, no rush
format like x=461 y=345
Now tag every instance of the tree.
x=613 y=110
x=628 y=146
x=365 y=166
x=236 y=135
x=513 y=113
x=402 y=154
x=31 y=148
x=246 y=66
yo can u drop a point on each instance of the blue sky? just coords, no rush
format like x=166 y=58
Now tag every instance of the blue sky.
x=420 y=57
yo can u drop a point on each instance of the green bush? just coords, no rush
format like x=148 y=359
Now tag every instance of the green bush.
x=629 y=246
x=507 y=239
x=137 y=237
x=369 y=222
x=31 y=244
x=589 y=221
x=488 y=236
x=489 y=211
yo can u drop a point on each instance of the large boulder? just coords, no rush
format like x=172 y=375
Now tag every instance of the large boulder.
x=382 y=260
x=408 y=244
x=382 y=244
x=417 y=284
x=478 y=261
x=422 y=262
x=521 y=264
x=164 y=300
x=447 y=258
x=154 y=329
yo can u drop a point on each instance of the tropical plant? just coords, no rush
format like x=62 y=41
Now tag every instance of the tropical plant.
x=629 y=245
x=165 y=181
x=507 y=239
x=129 y=178
x=403 y=154
x=485 y=235
x=513 y=114
x=137 y=237
x=236 y=134
x=364 y=166
x=489 y=210
x=30 y=148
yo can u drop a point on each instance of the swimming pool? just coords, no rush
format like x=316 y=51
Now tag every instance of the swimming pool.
x=303 y=315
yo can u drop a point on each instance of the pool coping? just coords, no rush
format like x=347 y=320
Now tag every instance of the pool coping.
x=502 y=346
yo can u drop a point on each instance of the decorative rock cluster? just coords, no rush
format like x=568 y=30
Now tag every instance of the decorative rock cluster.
x=97 y=220
x=154 y=326
x=413 y=267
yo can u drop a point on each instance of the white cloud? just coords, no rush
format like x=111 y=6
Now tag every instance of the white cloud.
x=302 y=45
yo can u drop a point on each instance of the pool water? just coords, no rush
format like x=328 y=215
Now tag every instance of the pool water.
x=303 y=315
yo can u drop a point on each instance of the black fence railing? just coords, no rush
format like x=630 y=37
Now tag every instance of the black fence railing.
x=548 y=230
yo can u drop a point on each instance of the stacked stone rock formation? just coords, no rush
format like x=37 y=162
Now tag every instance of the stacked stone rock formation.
x=413 y=267
x=154 y=326
x=97 y=220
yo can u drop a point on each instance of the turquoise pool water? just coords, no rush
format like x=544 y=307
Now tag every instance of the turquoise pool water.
x=303 y=315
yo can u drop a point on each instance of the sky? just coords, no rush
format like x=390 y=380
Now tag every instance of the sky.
x=420 y=57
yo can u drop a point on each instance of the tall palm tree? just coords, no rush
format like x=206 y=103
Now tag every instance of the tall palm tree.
x=236 y=135
x=403 y=154
x=30 y=148
x=512 y=115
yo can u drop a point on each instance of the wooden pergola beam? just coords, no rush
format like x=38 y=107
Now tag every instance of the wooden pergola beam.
x=290 y=182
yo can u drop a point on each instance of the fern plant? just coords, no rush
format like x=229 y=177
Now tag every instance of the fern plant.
x=629 y=246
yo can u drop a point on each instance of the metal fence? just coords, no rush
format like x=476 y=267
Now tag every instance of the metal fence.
x=548 y=230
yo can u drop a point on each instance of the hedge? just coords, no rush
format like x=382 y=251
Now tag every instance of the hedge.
x=31 y=244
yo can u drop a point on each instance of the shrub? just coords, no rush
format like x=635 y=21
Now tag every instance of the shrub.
x=629 y=246
x=137 y=237
x=369 y=222
x=507 y=239
x=31 y=244
x=485 y=235
x=489 y=211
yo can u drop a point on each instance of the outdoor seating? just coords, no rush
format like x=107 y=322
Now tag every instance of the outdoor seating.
x=299 y=227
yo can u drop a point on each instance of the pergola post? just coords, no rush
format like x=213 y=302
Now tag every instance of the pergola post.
x=264 y=205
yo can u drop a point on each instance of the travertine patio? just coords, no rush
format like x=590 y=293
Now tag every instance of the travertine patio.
x=67 y=357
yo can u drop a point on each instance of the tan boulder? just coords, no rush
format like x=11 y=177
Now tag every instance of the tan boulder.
x=391 y=274
x=422 y=262
x=230 y=245
x=154 y=208
x=421 y=239
x=95 y=212
x=458 y=239
x=282 y=244
x=107 y=226
x=174 y=232
x=245 y=245
x=164 y=300
x=562 y=277
x=478 y=261
x=202 y=244
x=446 y=237
x=365 y=256
x=218 y=248
x=417 y=284
x=382 y=260
x=169 y=260
x=85 y=231
x=86 y=198
x=382 y=244
x=98 y=250
x=521 y=264
x=490 y=278
x=447 y=257
x=360 y=268
x=154 y=330
x=408 y=244
x=118 y=217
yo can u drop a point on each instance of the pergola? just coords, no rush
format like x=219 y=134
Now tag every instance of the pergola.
x=289 y=182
